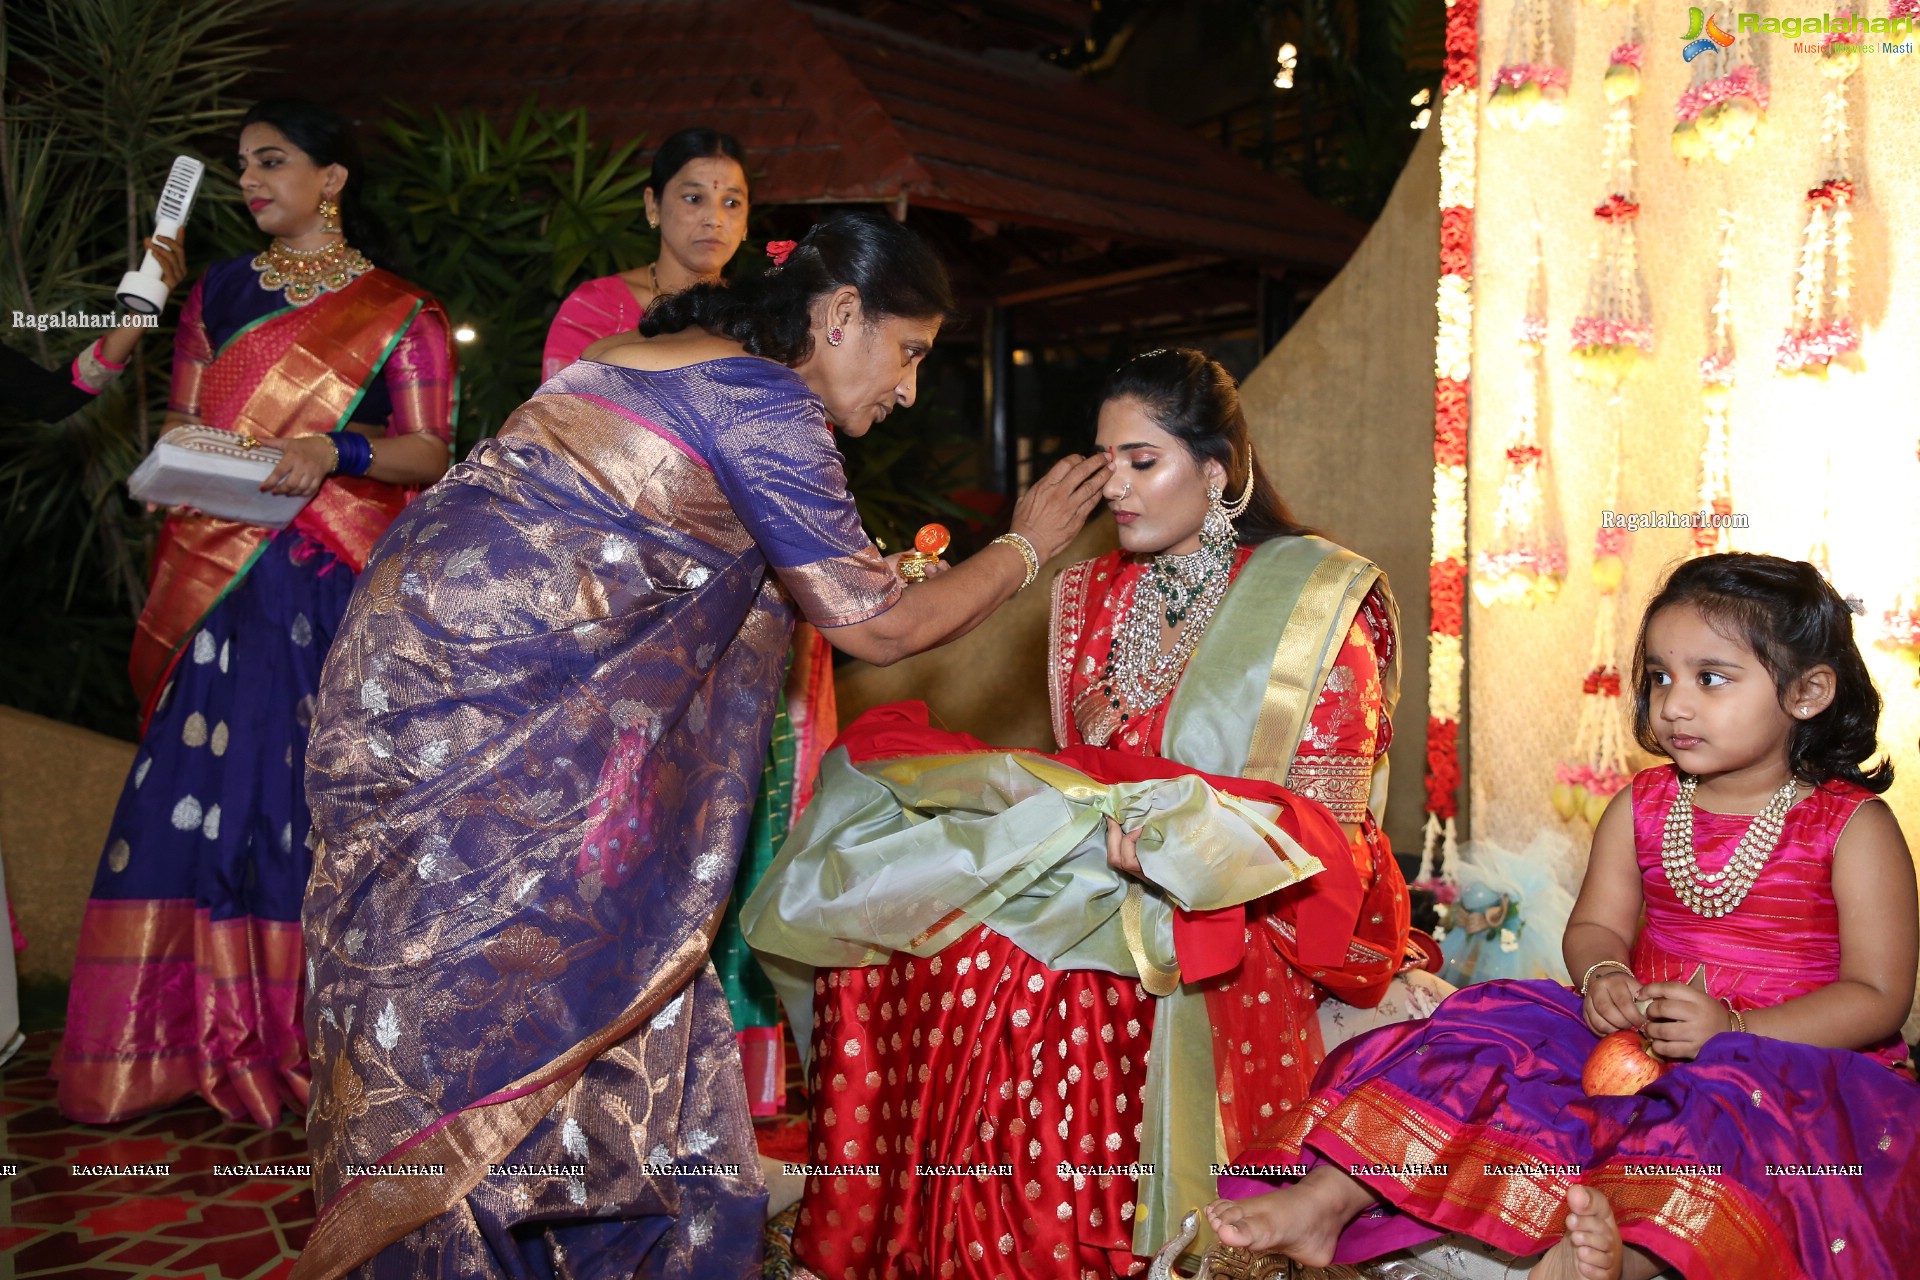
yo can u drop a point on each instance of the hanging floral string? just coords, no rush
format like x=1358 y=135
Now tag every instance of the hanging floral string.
x=1900 y=626
x=1822 y=336
x=1597 y=768
x=1453 y=364
x=1611 y=338
x=1613 y=334
x=1530 y=88
x=1724 y=109
x=1623 y=71
x=1525 y=560
x=1716 y=391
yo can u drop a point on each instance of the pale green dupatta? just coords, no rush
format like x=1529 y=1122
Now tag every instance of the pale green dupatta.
x=1224 y=722
x=910 y=855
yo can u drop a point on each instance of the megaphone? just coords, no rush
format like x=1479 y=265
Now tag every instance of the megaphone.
x=144 y=289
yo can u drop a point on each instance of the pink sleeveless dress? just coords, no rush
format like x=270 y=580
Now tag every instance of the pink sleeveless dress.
x=1759 y=1160
x=1783 y=940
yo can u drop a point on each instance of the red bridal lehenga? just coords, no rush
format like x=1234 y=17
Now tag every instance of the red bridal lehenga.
x=992 y=1107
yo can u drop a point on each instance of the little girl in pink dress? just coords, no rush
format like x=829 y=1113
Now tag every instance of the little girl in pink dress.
x=1773 y=968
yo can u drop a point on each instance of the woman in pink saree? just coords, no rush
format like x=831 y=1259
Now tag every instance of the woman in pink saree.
x=696 y=196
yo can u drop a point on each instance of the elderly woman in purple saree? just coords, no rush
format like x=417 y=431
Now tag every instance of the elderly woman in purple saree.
x=532 y=770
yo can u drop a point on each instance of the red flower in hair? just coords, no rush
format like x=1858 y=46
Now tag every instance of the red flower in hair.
x=779 y=249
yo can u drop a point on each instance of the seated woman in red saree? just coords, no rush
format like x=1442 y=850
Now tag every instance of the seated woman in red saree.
x=1018 y=1003
x=187 y=976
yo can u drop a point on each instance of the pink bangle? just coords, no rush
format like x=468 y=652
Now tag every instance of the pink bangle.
x=92 y=372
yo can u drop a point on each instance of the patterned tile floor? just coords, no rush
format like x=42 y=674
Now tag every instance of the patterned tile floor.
x=58 y=1219
x=191 y=1222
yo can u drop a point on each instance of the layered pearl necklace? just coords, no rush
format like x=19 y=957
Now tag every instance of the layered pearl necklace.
x=1138 y=675
x=1714 y=895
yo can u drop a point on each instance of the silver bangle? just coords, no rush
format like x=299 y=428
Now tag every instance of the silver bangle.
x=1027 y=553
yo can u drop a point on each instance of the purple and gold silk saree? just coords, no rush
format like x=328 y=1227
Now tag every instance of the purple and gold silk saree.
x=532 y=769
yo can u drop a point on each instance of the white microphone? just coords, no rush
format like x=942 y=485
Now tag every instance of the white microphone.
x=145 y=290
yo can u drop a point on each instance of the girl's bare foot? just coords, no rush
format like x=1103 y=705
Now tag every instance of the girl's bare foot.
x=1302 y=1222
x=1591 y=1249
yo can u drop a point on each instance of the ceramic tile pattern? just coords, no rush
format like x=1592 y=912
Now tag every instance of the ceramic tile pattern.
x=191 y=1222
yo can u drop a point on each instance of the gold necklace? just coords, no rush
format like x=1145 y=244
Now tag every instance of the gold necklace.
x=1715 y=895
x=305 y=274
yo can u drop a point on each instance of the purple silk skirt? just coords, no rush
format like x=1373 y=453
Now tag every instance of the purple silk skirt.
x=1760 y=1158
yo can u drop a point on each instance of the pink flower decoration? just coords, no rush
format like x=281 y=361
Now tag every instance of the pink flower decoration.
x=779 y=249
x=1902 y=628
x=1598 y=331
x=1629 y=55
x=1518 y=73
x=1717 y=370
x=1820 y=344
x=1741 y=82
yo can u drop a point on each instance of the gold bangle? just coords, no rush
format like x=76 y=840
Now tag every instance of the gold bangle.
x=1027 y=553
x=333 y=470
x=1587 y=977
x=1735 y=1021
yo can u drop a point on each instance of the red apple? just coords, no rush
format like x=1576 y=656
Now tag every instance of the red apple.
x=1621 y=1064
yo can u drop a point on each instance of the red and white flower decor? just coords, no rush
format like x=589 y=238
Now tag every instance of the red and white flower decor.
x=1611 y=338
x=1900 y=626
x=1822 y=337
x=1724 y=109
x=1525 y=560
x=1716 y=391
x=1453 y=366
x=1530 y=88
x=1614 y=332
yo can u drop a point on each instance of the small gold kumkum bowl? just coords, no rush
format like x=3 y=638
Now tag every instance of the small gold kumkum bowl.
x=928 y=545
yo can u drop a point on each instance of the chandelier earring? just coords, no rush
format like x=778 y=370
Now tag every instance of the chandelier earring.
x=329 y=215
x=1217 y=533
